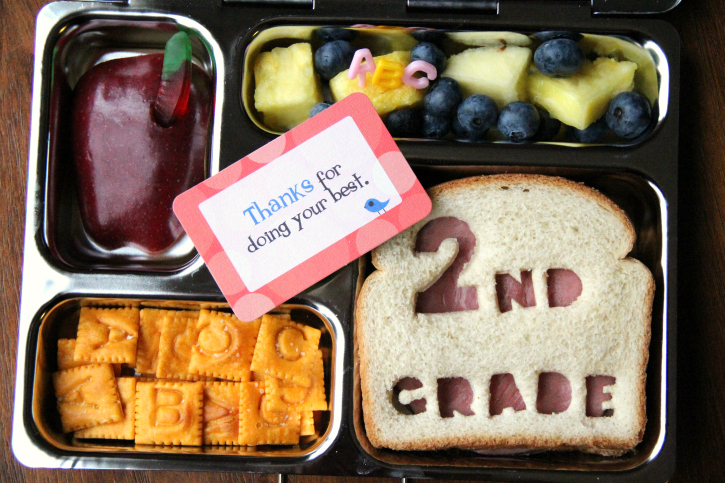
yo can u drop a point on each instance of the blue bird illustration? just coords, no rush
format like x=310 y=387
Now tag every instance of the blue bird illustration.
x=375 y=206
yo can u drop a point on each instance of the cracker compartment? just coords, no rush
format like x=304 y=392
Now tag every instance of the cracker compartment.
x=60 y=324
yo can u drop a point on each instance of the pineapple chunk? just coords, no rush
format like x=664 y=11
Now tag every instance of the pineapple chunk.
x=583 y=98
x=645 y=79
x=286 y=86
x=384 y=100
x=498 y=72
x=482 y=39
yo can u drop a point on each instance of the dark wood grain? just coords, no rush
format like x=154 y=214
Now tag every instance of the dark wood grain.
x=701 y=323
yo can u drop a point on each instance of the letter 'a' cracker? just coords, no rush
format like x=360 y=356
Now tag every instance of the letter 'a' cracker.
x=124 y=429
x=259 y=426
x=224 y=347
x=283 y=395
x=286 y=349
x=169 y=413
x=107 y=335
x=221 y=413
x=87 y=396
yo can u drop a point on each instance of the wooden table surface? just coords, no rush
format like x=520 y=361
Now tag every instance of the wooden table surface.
x=701 y=323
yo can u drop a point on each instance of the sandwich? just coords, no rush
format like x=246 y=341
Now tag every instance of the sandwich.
x=510 y=319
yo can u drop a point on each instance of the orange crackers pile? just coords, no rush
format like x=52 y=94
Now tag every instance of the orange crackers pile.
x=194 y=378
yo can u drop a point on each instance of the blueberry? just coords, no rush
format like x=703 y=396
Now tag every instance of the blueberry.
x=518 y=121
x=443 y=97
x=595 y=132
x=430 y=53
x=328 y=34
x=629 y=114
x=559 y=58
x=548 y=126
x=318 y=108
x=457 y=129
x=435 y=126
x=433 y=36
x=475 y=116
x=405 y=123
x=558 y=34
x=332 y=58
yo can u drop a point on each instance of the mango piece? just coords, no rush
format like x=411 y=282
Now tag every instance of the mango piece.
x=384 y=99
x=498 y=72
x=286 y=86
x=583 y=98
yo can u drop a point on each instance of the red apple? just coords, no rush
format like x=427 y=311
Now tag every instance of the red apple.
x=129 y=167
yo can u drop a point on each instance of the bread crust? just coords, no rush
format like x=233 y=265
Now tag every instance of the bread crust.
x=608 y=446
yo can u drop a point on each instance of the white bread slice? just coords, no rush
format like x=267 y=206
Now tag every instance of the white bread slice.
x=520 y=222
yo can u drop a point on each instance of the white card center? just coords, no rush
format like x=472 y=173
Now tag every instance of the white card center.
x=305 y=201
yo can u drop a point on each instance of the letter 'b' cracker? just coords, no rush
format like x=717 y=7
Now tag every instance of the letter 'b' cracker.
x=87 y=396
x=169 y=413
x=286 y=350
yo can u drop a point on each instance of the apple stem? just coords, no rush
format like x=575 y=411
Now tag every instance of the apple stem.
x=173 y=94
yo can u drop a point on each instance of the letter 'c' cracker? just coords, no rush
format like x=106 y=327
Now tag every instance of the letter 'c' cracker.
x=286 y=350
x=87 y=396
x=285 y=396
x=169 y=413
x=259 y=426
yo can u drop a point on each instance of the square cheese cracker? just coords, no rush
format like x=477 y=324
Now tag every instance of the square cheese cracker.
x=169 y=413
x=258 y=426
x=286 y=350
x=224 y=346
x=149 y=333
x=87 y=396
x=124 y=429
x=221 y=413
x=283 y=395
x=178 y=336
x=107 y=335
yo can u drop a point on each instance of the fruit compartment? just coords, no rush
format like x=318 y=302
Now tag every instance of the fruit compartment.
x=647 y=209
x=651 y=78
x=61 y=321
x=83 y=42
